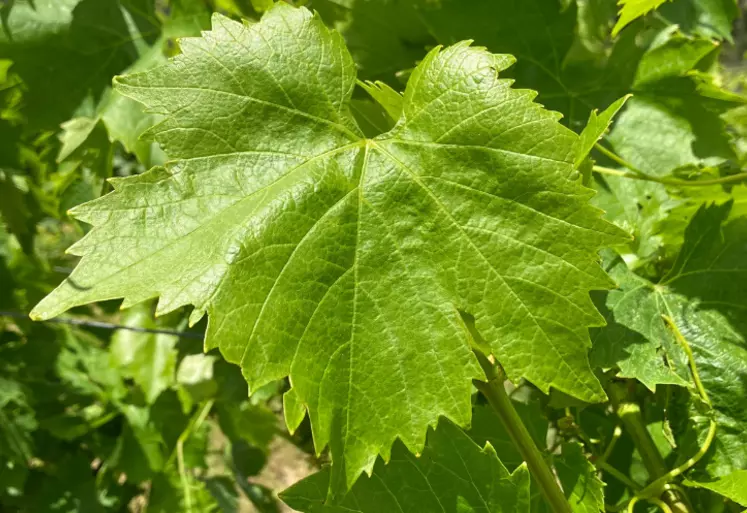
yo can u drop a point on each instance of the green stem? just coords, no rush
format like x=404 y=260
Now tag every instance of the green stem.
x=616 y=158
x=660 y=504
x=603 y=465
x=103 y=420
x=659 y=484
x=630 y=415
x=194 y=423
x=183 y=475
x=616 y=434
x=496 y=395
x=632 y=418
x=739 y=177
x=632 y=503
x=690 y=358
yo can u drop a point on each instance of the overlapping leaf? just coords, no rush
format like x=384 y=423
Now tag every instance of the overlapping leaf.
x=343 y=261
x=453 y=475
x=732 y=486
x=66 y=51
x=580 y=484
x=704 y=295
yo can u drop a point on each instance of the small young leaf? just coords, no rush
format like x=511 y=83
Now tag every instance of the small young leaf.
x=633 y=9
x=387 y=97
x=595 y=129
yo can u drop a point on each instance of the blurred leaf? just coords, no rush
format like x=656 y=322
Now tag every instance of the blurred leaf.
x=149 y=358
x=632 y=9
x=172 y=492
x=255 y=424
x=223 y=490
x=66 y=51
x=246 y=460
x=708 y=18
x=732 y=486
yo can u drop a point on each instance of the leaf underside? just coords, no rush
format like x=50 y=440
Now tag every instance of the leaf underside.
x=341 y=261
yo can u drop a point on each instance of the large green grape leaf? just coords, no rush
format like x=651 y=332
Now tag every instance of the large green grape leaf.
x=343 y=261
x=704 y=295
x=453 y=475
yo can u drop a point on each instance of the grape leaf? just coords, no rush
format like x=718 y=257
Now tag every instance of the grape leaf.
x=632 y=9
x=708 y=18
x=595 y=128
x=704 y=295
x=487 y=428
x=658 y=138
x=615 y=344
x=638 y=207
x=344 y=261
x=732 y=486
x=68 y=50
x=452 y=475
x=383 y=36
x=582 y=486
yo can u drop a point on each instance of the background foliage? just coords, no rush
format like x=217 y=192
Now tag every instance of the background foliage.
x=95 y=418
